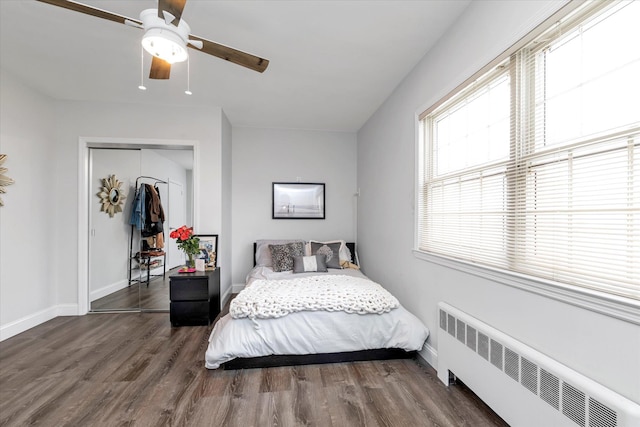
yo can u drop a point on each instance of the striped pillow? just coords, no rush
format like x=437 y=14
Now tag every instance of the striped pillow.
x=307 y=264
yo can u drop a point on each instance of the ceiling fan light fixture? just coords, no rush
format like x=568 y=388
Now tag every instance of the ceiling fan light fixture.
x=165 y=41
x=165 y=45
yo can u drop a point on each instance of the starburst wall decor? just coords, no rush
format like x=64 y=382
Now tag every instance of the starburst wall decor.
x=111 y=196
x=4 y=180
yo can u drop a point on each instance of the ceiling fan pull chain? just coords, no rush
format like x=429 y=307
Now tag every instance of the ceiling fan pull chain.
x=188 y=91
x=142 y=86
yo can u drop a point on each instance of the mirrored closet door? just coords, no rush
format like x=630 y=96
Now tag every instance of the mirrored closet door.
x=131 y=256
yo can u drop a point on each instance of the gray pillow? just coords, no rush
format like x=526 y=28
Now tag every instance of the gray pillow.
x=311 y=263
x=263 y=254
x=331 y=251
x=282 y=255
x=345 y=252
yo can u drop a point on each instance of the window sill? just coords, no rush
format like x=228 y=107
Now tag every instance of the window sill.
x=626 y=309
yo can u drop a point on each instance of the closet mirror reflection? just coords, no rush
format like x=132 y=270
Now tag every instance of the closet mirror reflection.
x=130 y=254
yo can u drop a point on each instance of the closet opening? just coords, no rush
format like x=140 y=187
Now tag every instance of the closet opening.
x=123 y=268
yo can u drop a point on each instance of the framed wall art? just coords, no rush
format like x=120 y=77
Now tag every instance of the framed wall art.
x=298 y=200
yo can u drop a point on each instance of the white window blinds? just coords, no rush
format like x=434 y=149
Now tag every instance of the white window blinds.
x=535 y=167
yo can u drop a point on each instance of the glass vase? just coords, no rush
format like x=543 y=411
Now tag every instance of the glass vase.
x=191 y=263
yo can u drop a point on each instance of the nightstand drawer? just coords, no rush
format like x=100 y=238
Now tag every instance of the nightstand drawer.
x=189 y=289
x=190 y=313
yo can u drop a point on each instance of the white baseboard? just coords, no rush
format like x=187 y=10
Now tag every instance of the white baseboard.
x=224 y=298
x=107 y=290
x=27 y=322
x=429 y=355
x=234 y=289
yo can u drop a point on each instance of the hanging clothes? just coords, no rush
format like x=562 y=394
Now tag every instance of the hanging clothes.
x=154 y=216
x=160 y=235
x=160 y=240
x=138 y=212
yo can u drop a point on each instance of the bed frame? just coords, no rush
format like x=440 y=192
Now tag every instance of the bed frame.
x=317 y=359
x=320 y=358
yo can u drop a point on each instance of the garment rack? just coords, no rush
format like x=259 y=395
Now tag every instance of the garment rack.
x=148 y=258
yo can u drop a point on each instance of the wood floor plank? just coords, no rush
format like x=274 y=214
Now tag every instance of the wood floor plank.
x=284 y=414
x=266 y=409
x=275 y=379
x=154 y=296
x=422 y=400
x=135 y=369
x=347 y=408
x=335 y=374
x=310 y=403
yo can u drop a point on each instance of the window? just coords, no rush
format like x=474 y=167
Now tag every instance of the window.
x=534 y=167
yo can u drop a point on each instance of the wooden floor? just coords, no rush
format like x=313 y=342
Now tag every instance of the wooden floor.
x=154 y=296
x=135 y=369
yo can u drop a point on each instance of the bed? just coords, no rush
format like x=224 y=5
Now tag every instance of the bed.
x=303 y=316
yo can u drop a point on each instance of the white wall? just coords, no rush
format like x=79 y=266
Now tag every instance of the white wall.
x=263 y=156
x=600 y=347
x=28 y=290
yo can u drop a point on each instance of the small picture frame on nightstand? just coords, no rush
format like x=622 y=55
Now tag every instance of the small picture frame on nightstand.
x=208 y=250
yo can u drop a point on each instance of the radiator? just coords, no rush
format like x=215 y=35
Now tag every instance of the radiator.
x=522 y=385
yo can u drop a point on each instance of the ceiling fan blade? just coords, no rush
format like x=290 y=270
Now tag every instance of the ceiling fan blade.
x=160 y=69
x=230 y=54
x=174 y=7
x=93 y=11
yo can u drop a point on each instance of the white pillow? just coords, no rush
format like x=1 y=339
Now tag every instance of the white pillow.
x=344 y=253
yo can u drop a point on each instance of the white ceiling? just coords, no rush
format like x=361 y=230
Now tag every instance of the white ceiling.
x=332 y=63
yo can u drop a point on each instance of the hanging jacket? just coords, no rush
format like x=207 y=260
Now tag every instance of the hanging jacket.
x=160 y=227
x=138 y=211
x=154 y=214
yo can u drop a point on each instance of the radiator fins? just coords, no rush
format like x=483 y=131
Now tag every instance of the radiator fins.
x=529 y=375
x=601 y=415
x=511 y=364
x=471 y=337
x=572 y=402
x=550 y=388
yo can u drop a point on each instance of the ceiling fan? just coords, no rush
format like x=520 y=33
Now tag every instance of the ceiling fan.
x=167 y=36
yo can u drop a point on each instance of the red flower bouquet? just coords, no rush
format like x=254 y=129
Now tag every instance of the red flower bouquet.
x=186 y=241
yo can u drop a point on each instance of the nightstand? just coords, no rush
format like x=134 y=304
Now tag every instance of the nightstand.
x=195 y=297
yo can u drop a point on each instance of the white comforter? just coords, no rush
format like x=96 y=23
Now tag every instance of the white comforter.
x=268 y=299
x=310 y=332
